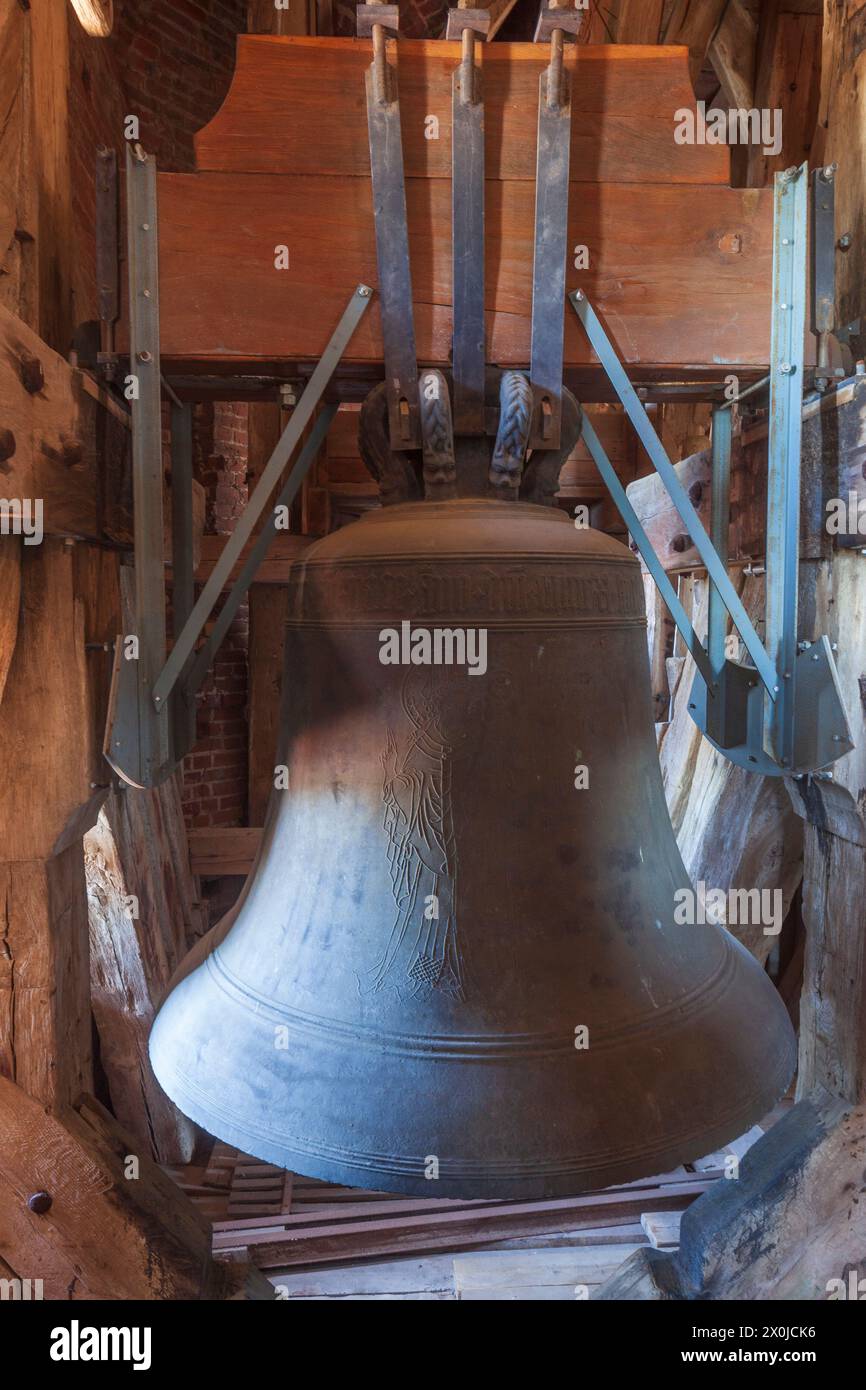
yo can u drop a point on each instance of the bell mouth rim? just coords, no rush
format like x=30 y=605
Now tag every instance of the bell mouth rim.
x=563 y=1176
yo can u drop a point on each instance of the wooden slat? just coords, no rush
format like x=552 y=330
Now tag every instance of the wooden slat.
x=215 y=850
x=452 y=1227
x=296 y=107
x=667 y=297
x=274 y=569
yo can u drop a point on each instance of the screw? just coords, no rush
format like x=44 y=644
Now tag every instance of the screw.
x=828 y=171
x=815 y=657
x=145 y=356
x=803 y=646
x=39 y=1202
x=364 y=291
x=844 y=242
x=787 y=369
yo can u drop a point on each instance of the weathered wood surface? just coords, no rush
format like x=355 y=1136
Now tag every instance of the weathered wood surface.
x=667 y=299
x=10 y=602
x=144 y=915
x=833 y=1005
x=843 y=113
x=297 y=106
x=58 y=443
x=833 y=459
x=790 y=1228
x=285 y=162
x=107 y=1234
x=733 y=828
x=216 y=850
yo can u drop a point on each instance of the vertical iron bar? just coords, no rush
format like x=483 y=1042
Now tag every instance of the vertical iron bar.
x=183 y=580
x=720 y=513
x=467 y=231
x=392 y=248
x=146 y=452
x=551 y=236
x=790 y=194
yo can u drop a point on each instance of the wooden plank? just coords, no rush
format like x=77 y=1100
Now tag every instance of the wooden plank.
x=536 y=1273
x=452 y=1227
x=137 y=854
x=843 y=112
x=294 y=107
x=667 y=299
x=733 y=829
x=284 y=551
x=833 y=1003
x=662 y=1228
x=215 y=850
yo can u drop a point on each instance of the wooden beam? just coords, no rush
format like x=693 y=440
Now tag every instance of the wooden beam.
x=292 y=108
x=144 y=916
x=224 y=850
x=666 y=298
x=110 y=1231
x=19 y=218
x=833 y=1005
x=844 y=116
x=693 y=23
x=285 y=550
x=787 y=1229
x=10 y=596
x=732 y=53
x=639 y=21
x=52 y=171
x=60 y=442
x=95 y=16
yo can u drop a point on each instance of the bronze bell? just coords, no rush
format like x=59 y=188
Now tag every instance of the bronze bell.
x=453 y=971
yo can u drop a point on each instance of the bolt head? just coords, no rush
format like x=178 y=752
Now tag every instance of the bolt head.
x=39 y=1202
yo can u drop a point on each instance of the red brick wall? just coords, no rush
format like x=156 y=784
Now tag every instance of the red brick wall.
x=215 y=773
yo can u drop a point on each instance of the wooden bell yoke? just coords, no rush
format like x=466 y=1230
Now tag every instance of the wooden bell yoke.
x=285 y=163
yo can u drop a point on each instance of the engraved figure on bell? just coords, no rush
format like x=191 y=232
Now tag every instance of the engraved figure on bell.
x=423 y=952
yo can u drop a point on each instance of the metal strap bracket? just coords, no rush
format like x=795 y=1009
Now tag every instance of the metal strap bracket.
x=467 y=227
x=151 y=720
x=551 y=235
x=392 y=239
x=797 y=723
